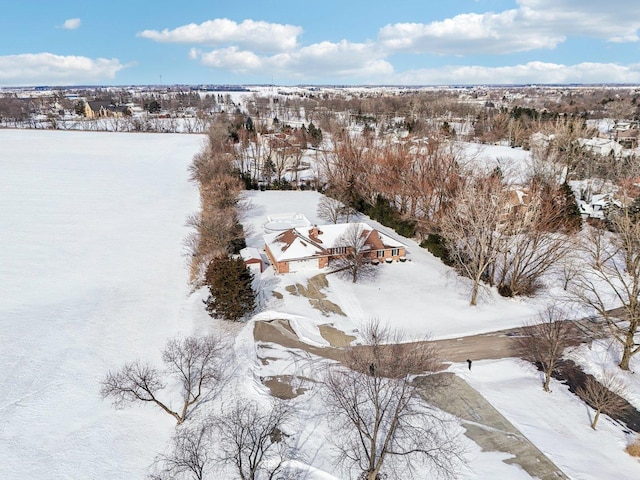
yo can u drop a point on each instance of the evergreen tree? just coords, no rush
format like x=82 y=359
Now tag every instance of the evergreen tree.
x=634 y=209
x=315 y=134
x=229 y=282
x=248 y=124
x=152 y=106
x=569 y=208
x=79 y=107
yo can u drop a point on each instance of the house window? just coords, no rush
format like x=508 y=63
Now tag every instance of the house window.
x=339 y=250
x=395 y=252
x=380 y=254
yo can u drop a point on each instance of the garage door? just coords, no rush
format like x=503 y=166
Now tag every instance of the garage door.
x=303 y=265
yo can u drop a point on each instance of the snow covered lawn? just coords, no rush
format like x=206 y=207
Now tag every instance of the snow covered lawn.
x=558 y=423
x=91 y=275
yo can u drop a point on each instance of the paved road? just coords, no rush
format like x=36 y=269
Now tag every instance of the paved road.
x=486 y=346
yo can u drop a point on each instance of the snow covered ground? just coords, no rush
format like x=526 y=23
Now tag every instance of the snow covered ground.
x=424 y=298
x=558 y=423
x=514 y=163
x=92 y=275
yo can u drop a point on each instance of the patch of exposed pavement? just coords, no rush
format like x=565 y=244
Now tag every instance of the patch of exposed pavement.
x=281 y=386
x=313 y=292
x=336 y=338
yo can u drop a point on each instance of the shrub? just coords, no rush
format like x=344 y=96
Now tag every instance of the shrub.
x=526 y=286
x=633 y=449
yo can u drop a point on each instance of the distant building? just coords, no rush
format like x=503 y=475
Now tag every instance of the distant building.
x=601 y=146
x=100 y=108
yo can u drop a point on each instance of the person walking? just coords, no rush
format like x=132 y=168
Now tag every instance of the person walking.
x=469 y=363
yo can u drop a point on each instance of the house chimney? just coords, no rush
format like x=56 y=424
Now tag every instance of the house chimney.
x=314 y=233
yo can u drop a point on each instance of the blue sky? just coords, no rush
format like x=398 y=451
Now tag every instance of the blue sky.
x=348 y=42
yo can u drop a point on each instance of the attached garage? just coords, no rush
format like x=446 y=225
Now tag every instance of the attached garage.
x=303 y=265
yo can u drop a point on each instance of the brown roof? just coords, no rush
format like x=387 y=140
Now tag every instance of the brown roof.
x=286 y=238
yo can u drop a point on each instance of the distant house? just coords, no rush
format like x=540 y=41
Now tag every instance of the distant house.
x=311 y=248
x=99 y=108
x=601 y=146
x=599 y=206
x=627 y=137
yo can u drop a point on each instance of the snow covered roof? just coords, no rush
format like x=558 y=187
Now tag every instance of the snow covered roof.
x=304 y=242
x=250 y=253
x=602 y=146
x=288 y=245
x=598 y=205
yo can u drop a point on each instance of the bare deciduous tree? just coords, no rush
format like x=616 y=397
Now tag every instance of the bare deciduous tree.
x=569 y=269
x=332 y=210
x=251 y=438
x=544 y=342
x=604 y=396
x=470 y=227
x=190 y=456
x=193 y=363
x=613 y=274
x=382 y=428
x=435 y=180
x=353 y=262
x=529 y=245
x=216 y=228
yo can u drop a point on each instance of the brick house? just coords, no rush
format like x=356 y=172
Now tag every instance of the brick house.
x=313 y=248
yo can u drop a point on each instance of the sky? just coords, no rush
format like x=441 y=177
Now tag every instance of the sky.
x=332 y=42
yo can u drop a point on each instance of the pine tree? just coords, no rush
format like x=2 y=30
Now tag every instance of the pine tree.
x=229 y=281
x=634 y=209
x=569 y=208
x=315 y=134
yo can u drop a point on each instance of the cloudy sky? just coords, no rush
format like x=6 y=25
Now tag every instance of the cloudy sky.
x=337 y=42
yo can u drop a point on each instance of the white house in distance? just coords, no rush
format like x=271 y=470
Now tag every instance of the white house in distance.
x=312 y=248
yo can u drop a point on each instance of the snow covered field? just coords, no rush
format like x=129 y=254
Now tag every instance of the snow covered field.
x=92 y=275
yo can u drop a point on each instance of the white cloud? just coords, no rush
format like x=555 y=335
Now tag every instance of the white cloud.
x=50 y=69
x=468 y=33
x=536 y=24
x=256 y=35
x=337 y=60
x=532 y=72
x=238 y=61
x=612 y=20
x=71 y=24
x=261 y=48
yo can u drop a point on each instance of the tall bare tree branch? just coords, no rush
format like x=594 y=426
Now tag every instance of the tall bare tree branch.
x=382 y=427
